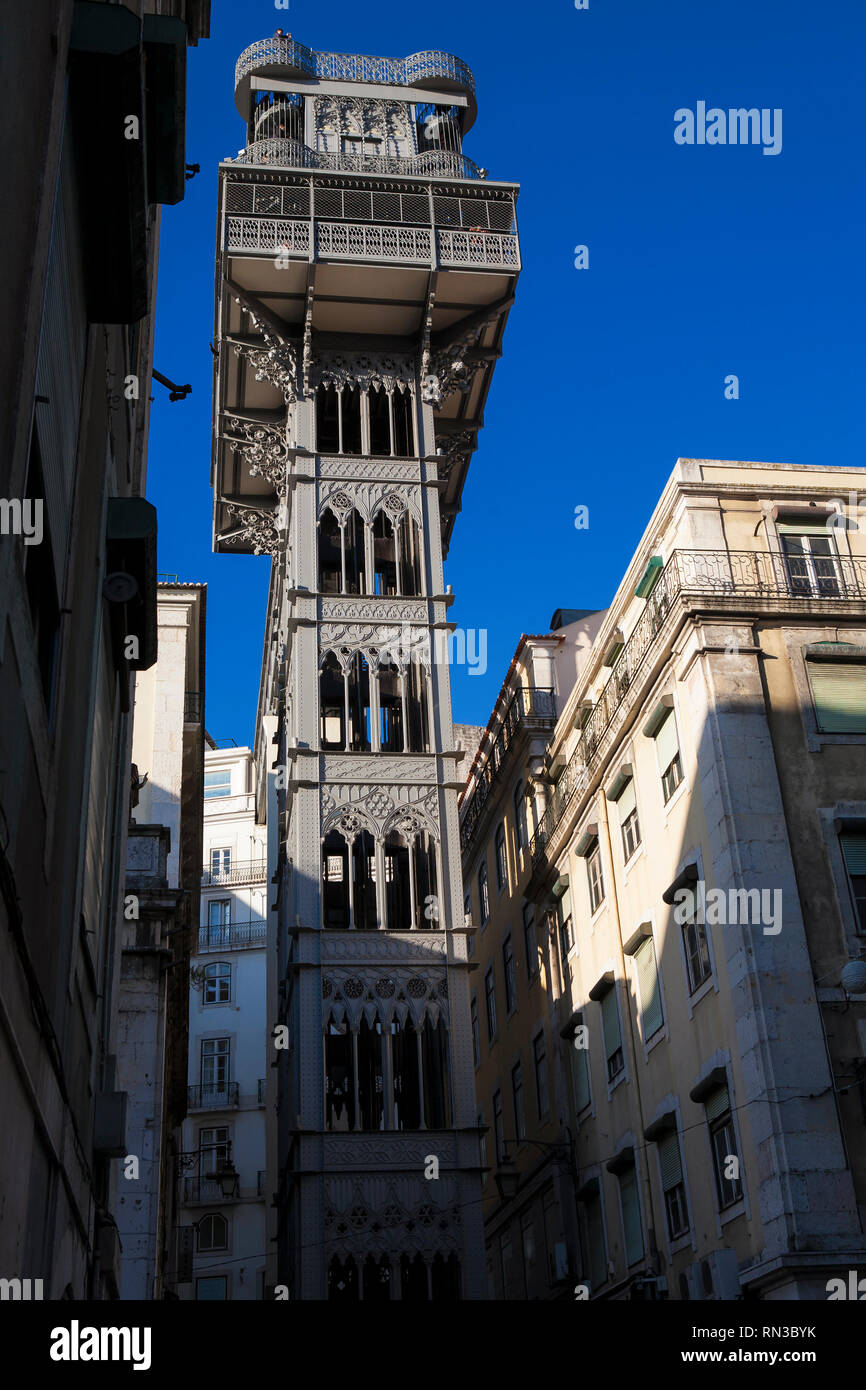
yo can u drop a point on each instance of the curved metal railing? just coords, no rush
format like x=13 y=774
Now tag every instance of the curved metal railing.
x=282 y=51
x=292 y=154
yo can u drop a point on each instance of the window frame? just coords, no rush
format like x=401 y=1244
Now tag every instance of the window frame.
x=500 y=854
x=211 y=976
x=490 y=1003
x=509 y=968
x=539 y=1067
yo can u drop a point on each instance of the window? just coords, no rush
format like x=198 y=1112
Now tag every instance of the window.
x=673 y=1186
x=539 y=1062
x=652 y=1017
x=579 y=1067
x=595 y=877
x=476 y=1032
x=213 y=1233
x=595 y=1241
x=510 y=980
x=220 y=862
x=467 y=922
x=343 y=417
x=215 y=1056
x=490 y=1001
x=40 y=578
x=723 y=1143
x=218 y=921
x=213 y=1150
x=482 y=1150
x=517 y=1099
x=612 y=1035
x=839 y=694
x=501 y=858
x=668 y=756
x=483 y=893
x=211 y=1287
x=631 y=1222
x=811 y=560
x=530 y=942
x=217 y=783
x=217 y=983
x=854 y=855
x=498 y=1131
x=697 y=952
x=628 y=820
x=522 y=828
x=566 y=931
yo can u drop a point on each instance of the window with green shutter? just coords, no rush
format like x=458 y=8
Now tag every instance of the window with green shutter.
x=854 y=854
x=631 y=1223
x=668 y=754
x=612 y=1034
x=652 y=1017
x=580 y=1072
x=839 y=692
x=673 y=1186
x=626 y=806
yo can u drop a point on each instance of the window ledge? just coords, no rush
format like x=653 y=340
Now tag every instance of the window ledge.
x=703 y=990
x=733 y=1212
x=668 y=806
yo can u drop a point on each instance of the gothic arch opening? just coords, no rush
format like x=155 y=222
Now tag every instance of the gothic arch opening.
x=332 y=703
x=364 y=882
x=335 y=881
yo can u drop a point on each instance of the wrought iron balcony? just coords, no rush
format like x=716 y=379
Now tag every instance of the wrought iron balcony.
x=286 y=153
x=281 y=51
x=239 y=871
x=737 y=579
x=357 y=241
x=533 y=707
x=207 y=1190
x=214 y=1096
x=232 y=936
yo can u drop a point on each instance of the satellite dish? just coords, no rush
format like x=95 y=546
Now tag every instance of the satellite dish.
x=853 y=978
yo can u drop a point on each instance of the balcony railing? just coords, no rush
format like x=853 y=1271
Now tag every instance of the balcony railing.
x=358 y=241
x=207 y=1190
x=233 y=936
x=487 y=210
x=292 y=154
x=533 y=706
x=818 y=583
x=239 y=871
x=213 y=1096
x=282 y=51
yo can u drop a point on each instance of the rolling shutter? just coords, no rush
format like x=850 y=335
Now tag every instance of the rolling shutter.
x=839 y=691
x=626 y=801
x=669 y=1161
x=717 y=1103
x=667 y=742
x=854 y=853
x=610 y=1023
x=650 y=994
x=631 y=1216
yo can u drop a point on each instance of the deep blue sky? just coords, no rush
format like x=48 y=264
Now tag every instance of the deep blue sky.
x=704 y=261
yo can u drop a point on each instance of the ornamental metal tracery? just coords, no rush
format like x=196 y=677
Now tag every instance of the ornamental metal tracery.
x=369 y=371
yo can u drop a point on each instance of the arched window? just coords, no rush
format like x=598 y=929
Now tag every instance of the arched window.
x=392 y=709
x=409 y=555
x=364 y=882
x=398 y=900
x=342 y=552
x=343 y=1280
x=520 y=816
x=217 y=983
x=377 y=1279
x=339 y=1078
x=330 y=554
x=335 y=881
x=413 y=1280
x=427 y=905
x=332 y=703
x=437 y=1084
x=213 y=1232
x=417 y=683
x=385 y=570
x=360 y=713
x=338 y=419
x=403 y=407
x=501 y=857
x=371 y=1081
x=445 y=1278
x=483 y=893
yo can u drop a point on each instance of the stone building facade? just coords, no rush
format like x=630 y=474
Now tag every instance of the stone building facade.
x=365 y=271
x=698 y=873
x=79 y=225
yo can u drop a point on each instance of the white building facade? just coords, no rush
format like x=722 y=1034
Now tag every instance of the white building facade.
x=224 y=1133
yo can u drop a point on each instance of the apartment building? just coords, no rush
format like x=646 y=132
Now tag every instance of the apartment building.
x=700 y=864
x=160 y=915
x=531 y=1244
x=79 y=225
x=224 y=1187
